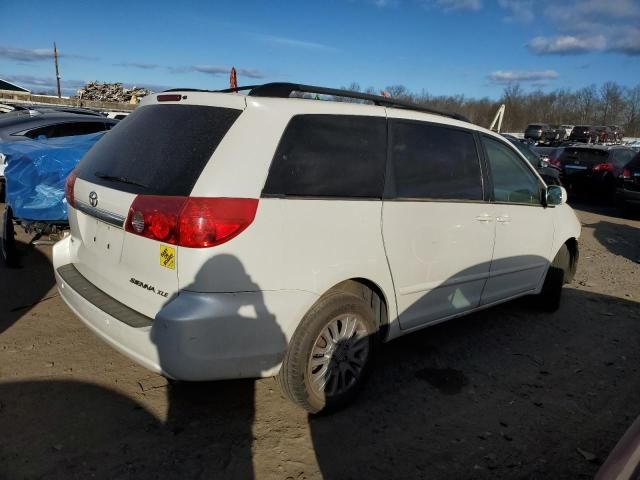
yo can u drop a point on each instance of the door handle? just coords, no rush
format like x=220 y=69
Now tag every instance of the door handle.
x=484 y=218
x=503 y=219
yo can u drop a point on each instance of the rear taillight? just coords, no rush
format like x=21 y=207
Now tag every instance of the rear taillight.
x=554 y=161
x=603 y=167
x=68 y=188
x=626 y=173
x=195 y=222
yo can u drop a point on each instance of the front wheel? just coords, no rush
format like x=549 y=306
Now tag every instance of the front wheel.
x=549 y=298
x=330 y=354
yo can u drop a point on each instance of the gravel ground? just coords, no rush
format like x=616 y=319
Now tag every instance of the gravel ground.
x=505 y=393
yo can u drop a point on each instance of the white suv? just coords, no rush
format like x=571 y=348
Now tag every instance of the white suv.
x=218 y=235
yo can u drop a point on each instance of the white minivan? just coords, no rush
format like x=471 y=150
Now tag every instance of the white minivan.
x=219 y=235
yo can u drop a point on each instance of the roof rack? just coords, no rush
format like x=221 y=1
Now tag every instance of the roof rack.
x=284 y=90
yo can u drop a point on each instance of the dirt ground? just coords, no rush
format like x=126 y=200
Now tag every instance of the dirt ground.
x=506 y=393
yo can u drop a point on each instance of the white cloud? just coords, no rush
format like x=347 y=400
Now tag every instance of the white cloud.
x=520 y=10
x=293 y=42
x=567 y=44
x=523 y=76
x=218 y=70
x=459 y=4
x=35 y=54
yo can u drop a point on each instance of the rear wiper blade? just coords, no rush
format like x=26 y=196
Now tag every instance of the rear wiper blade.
x=116 y=178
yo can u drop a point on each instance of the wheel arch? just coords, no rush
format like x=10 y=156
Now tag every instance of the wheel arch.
x=373 y=294
x=572 y=245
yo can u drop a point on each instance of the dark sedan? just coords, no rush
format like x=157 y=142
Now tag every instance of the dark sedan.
x=593 y=170
x=539 y=132
x=47 y=123
x=628 y=188
x=583 y=134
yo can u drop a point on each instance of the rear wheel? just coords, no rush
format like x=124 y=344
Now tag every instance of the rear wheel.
x=7 y=240
x=549 y=298
x=330 y=354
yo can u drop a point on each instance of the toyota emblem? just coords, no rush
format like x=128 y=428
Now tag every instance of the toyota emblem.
x=93 y=199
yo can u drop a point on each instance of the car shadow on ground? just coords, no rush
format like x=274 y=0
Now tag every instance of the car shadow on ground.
x=603 y=207
x=504 y=393
x=20 y=287
x=621 y=240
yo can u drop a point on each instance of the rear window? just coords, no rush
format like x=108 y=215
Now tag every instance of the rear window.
x=586 y=155
x=330 y=156
x=158 y=149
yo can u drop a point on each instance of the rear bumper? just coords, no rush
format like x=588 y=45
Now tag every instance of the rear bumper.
x=196 y=336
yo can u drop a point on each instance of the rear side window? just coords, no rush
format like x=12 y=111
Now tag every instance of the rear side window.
x=330 y=156
x=67 y=129
x=432 y=162
x=158 y=149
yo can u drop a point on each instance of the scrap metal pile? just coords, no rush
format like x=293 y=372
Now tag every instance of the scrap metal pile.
x=110 y=92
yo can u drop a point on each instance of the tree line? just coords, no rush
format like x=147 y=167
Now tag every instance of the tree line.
x=609 y=104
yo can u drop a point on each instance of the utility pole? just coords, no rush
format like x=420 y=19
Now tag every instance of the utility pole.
x=55 y=57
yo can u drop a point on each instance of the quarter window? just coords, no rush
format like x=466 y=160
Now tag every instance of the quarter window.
x=67 y=129
x=330 y=156
x=432 y=162
x=513 y=181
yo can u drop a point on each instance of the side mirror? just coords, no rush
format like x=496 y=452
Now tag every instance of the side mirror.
x=556 y=195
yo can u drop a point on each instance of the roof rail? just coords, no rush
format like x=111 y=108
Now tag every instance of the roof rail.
x=283 y=90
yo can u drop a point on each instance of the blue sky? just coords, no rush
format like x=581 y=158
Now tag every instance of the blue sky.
x=470 y=47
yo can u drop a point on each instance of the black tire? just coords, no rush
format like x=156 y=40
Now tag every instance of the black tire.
x=549 y=298
x=294 y=376
x=7 y=239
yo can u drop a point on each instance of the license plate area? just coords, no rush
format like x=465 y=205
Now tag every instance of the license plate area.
x=104 y=240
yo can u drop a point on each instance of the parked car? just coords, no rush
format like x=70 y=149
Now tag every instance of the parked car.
x=605 y=134
x=553 y=136
x=618 y=134
x=21 y=125
x=38 y=107
x=628 y=185
x=583 y=134
x=47 y=123
x=116 y=115
x=567 y=130
x=550 y=154
x=35 y=177
x=593 y=169
x=551 y=174
x=538 y=132
x=290 y=255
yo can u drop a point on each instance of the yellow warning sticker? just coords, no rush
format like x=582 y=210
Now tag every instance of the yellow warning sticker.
x=168 y=257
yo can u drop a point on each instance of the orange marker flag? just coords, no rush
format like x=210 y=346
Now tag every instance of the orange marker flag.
x=233 y=79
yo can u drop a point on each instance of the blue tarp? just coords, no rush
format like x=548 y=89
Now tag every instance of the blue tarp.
x=36 y=172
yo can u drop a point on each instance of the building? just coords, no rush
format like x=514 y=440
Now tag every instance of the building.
x=11 y=91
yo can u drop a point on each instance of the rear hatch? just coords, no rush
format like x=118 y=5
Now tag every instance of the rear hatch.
x=158 y=150
x=577 y=161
